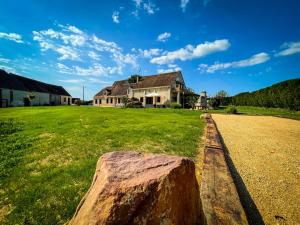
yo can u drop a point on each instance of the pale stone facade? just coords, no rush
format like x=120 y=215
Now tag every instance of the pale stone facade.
x=16 y=98
x=16 y=90
x=156 y=96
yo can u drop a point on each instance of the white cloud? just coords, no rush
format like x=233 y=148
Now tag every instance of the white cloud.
x=3 y=60
x=67 y=53
x=171 y=68
x=64 y=69
x=8 y=69
x=72 y=81
x=115 y=17
x=289 y=48
x=138 y=3
x=95 y=70
x=122 y=59
x=93 y=55
x=150 y=8
x=253 y=60
x=164 y=37
x=71 y=43
x=190 y=52
x=47 y=41
x=183 y=4
x=75 y=30
x=102 y=45
x=95 y=80
x=12 y=37
x=149 y=53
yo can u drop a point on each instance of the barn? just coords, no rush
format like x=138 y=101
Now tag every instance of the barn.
x=17 y=90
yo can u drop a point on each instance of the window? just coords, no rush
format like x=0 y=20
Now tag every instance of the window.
x=119 y=100
x=107 y=101
x=11 y=96
x=96 y=101
x=111 y=100
x=141 y=99
x=100 y=101
x=65 y=99
x=158 y=99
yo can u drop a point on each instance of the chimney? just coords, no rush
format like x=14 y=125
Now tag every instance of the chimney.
x=137 y=79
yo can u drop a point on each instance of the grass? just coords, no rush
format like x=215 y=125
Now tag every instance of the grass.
x=251 y=110
x=48 y=154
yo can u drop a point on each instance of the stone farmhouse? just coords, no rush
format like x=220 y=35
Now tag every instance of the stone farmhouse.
x=16 y=90
x=152 y=91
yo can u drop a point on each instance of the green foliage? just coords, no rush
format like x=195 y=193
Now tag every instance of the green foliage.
x=134 y=103
x=232 y=110
x=175 y=105
x=125 y=101
x=167 y=104
x=48 y=154
x=192 y=100
x=77 y=102
x=282 y=95
x=221 y=94
x=133 y=78
x=214 y=103
x=30 y=96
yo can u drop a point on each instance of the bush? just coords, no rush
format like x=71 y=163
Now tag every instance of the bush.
x=77 y=102
x=285 y=94
x=26 y=101
x=167 y=104
x=214 y=103
x=232 y=110
x=175 y=105
x=134 y=105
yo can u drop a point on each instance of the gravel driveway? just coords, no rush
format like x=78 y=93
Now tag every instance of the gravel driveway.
x=265 y=152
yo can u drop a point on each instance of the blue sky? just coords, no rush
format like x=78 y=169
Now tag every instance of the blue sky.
x=232 y=45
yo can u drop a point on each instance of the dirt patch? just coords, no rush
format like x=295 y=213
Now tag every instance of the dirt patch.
x=265 y=152
x=4 y=211
x=47 y=135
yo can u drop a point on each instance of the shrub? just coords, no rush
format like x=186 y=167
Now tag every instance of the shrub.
x=175 y=105
x=167 y=104
x=134 y=105
x=214 y=103
x=232 y=110
x=26 y=101
x=77 y=102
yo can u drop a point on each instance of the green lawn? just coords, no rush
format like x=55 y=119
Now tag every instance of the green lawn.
x=252 y=110
x=48 y=154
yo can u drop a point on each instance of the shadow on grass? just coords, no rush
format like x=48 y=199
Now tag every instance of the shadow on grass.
x=253 y=215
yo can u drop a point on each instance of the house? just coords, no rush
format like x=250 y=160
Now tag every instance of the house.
x=16 y=90
x=152 y=91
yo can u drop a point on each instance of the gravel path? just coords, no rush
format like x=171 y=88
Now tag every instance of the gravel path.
x=265 y=152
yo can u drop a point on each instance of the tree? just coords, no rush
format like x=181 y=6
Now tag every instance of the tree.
x=214 y=103
x=192 y=100
x=221 y=94
x=125 y=101
x=134 y=78
x=28 y=99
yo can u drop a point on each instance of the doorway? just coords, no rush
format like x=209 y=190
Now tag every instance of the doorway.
x=149 y=100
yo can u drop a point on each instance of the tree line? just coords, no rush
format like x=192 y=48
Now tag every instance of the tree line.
x=285 y=94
